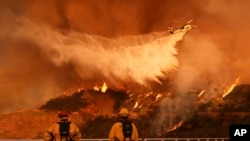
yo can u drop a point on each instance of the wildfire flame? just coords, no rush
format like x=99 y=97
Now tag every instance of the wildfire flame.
x=175 y=126
x=158 y=96
x=72 y=91
x=231 y=87
x=136 y=105
x=201 y=93
x=96 y=88
x=103 y=88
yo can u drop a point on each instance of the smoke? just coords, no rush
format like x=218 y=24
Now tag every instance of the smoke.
x=211 y=58
x=216 y=54
x=233 y=18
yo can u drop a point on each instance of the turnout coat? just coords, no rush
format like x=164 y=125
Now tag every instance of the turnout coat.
x=53 y=133
x=116 y=133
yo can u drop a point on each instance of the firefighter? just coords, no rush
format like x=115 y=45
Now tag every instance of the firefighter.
x=63 y=130
x=124 y=129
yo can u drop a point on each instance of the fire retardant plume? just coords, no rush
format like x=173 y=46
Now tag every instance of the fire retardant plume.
x=33 y=54
x=122 y=58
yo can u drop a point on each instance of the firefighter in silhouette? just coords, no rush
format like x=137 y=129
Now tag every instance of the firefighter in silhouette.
x=63 y=130
x=124 y=129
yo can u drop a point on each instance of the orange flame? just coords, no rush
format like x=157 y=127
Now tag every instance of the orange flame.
x=103 y=88
x=158 y=96
x=96 y=88
x=175 y=126
x=201 y=93
x=136 y=105
x=231 y=87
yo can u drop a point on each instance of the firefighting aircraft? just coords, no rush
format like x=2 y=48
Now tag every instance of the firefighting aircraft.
x=186 y=26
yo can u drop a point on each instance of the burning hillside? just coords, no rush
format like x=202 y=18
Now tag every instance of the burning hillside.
x=95 y=111
x=159 y=115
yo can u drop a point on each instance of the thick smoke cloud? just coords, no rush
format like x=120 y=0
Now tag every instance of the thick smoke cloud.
x=35 y=66
x=211 y=58
x=216 y=54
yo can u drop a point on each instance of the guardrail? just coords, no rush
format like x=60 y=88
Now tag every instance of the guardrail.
x=140 y=139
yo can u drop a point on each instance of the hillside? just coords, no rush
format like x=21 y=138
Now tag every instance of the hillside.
x=93 y=111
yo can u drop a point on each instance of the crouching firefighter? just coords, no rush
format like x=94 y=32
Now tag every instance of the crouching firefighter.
x=63 y=130
x=124 y=129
